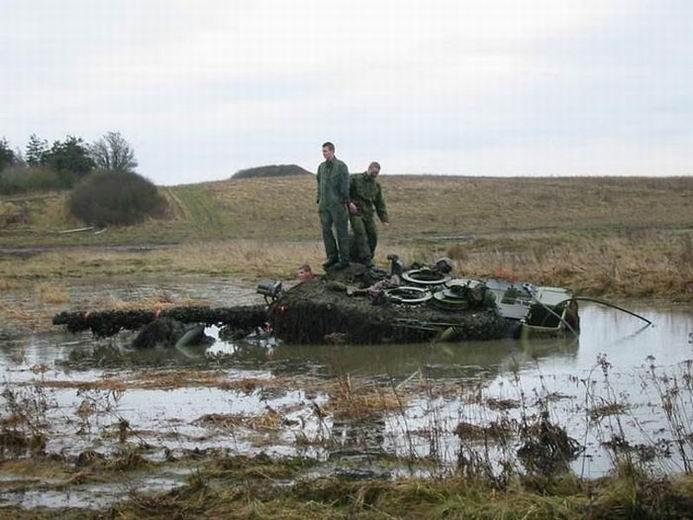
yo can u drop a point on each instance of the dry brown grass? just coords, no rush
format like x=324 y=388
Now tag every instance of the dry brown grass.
x=650 y=264
x=51 y=293
x=15 y=313
x=423 y=206
x=7 y=284
x=108 y=383
x=242 y=258
x=608 y=409
x=420 y=207
x=247 y=258
x=494 y=431
x=271 y=420
x=38 y=468
x=610 y=236
x=172 y=379
x=362 y=400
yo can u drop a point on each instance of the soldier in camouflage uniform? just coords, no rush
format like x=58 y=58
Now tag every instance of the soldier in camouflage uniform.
x=366 y=199
x=333 y=196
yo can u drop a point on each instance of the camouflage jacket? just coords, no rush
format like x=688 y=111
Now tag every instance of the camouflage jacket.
x=366 y=193
x=333 y=183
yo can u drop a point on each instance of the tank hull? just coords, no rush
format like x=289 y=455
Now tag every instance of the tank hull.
x=313 y=312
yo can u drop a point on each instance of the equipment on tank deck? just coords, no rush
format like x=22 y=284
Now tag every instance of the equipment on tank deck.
x=444 y=265
x=538 y=310
x=461 y=294
x=270 y=289
x=425 y=277
x=553 y=310
x=396 y=266
x=407 y=295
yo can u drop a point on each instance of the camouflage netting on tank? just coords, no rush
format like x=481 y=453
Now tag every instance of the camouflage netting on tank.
x=108 y=323
x=318 y=311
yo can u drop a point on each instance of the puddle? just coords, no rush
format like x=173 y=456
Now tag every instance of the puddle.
x=96 y=496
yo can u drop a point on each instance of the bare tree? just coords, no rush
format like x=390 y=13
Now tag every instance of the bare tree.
x=113 y=153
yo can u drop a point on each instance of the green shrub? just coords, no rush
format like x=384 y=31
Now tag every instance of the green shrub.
x=104 y=198
x=22 y=179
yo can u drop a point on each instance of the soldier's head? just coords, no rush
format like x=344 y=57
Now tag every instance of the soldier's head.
x=374 y=169
x=305 y=273
x=328 y=151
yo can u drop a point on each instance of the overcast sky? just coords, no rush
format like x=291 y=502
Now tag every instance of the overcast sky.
x=494 y=87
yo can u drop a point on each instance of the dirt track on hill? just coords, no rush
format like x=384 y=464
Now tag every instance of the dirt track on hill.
x=26 y=252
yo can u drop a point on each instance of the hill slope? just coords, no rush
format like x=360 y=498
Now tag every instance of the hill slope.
x=421 y=208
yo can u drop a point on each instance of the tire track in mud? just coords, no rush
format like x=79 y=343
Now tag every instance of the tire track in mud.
x=199 y=208
x=26 y=252
x=179 y=206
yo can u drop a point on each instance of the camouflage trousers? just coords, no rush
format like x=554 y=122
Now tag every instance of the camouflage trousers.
x=365 y=237
x=335 y=215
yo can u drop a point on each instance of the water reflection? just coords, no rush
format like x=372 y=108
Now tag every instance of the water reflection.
x=604 y=330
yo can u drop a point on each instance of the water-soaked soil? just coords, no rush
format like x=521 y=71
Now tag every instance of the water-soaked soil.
x=84 y=421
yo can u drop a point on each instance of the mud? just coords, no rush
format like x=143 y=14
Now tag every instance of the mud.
x=319 y=311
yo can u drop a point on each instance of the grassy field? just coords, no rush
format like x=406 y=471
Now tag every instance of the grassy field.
x=421 y=208
x=600 y=235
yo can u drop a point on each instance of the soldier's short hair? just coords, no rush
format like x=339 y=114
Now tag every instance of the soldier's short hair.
x=328 y=145
x=375 y=164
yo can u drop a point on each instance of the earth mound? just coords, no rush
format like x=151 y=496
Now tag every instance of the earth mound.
x=274 y=170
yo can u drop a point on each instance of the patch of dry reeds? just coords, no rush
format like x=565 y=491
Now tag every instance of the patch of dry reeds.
x=51 y=293
x=619 y=266
x=271 y=420
x=362 y=401
x=172 y=379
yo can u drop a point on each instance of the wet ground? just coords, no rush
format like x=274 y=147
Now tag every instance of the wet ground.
x=356 y=411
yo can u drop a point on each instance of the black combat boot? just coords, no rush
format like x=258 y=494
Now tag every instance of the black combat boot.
x=330 y=262
x=342 y=264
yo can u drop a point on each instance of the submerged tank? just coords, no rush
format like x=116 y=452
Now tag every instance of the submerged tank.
x=360 y=305
x=363 y=305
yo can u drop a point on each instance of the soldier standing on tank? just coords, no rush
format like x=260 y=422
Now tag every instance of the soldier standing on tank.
x=333 y=197
x=366 y=199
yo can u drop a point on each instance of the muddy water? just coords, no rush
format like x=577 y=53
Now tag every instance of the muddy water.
x=440 y=385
